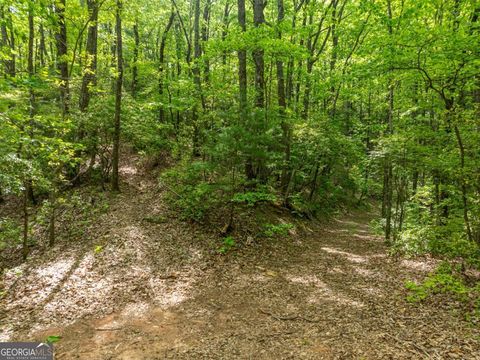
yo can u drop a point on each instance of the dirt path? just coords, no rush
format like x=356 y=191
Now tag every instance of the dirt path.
x=155 y=291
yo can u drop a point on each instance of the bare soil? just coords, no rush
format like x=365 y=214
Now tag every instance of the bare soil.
x=158 y=290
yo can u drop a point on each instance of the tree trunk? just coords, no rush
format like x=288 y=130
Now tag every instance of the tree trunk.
x=285 y=178
x=118 y=98
x=196 y=78
x=333 y=60
x=42 y=48
x=388 y=169
x=463 y=184
x=258 y=20
x=161 y=68
x=226 y=14
x=205 y=29
x=89 y=75
x=8 y=41
x=242 y=83
x=62 y=64
x=136 y=38
x=51 y=226
x=25 y=222
x=258 y=59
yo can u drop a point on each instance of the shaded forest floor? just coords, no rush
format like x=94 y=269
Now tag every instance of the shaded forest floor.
x=156 y=290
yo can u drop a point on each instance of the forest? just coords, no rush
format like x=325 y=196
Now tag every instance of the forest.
x=180 y=162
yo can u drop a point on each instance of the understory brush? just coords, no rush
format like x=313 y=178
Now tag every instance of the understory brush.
x=450 y=284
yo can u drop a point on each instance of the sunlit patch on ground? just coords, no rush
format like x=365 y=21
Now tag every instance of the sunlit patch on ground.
x=10 y=276
x=322 y=291
x=336 y=270
x=36 y=286
x=136 y=309
x=423 y=266
x=378 y=256
x=6 y=332
x=349 y=223
x=367 y=272
x=127 y=170
x=364 y=236
x=167 y=293
x=133 y=241
x=371 y=291
x=80 y=295
x=327 y=294
x=349 y=256
x=307 y=280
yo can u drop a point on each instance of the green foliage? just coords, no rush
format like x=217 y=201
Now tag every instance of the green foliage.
x=143 y=130
x=76 y=212
x=377 y=226
x=421 y=234
x=9 y=233
x=188 y=190
x=51 y=339
x=272 y=230
x=228 y=243
x=447 y=280
x=156 y=219
x=252 y=198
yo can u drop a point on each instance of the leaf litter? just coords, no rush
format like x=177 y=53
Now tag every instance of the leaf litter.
x=155 y=290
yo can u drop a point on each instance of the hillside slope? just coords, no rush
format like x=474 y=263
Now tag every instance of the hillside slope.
x=155 y=290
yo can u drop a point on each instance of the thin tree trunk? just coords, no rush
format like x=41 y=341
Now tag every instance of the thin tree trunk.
x=90 y=76
x=62 y=64
x=388 y=169
x=333 y=60
x=388 y=172
x=196 y=77
x=163 y=43
x=205 y=31
x=226 y=14
x=242 y=83
x=118 y=98
x=42 y=48
x=463 y=183
x=32 y=104
x=51 y=226
x=258 y=20
x=136 y=38
x=258 y=59
x=285 y=178
x=8 y=41
x=25 y=221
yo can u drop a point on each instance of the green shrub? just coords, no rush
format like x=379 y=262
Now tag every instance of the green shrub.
x=142 y=128
x=9 y=233
x=228 y=243
x=271 y=230
x=189 y=192
x=252 y=198
x=446 y=280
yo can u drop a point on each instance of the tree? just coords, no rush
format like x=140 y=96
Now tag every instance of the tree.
x=118 y=97
x=62 y=65
x=89 y=75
